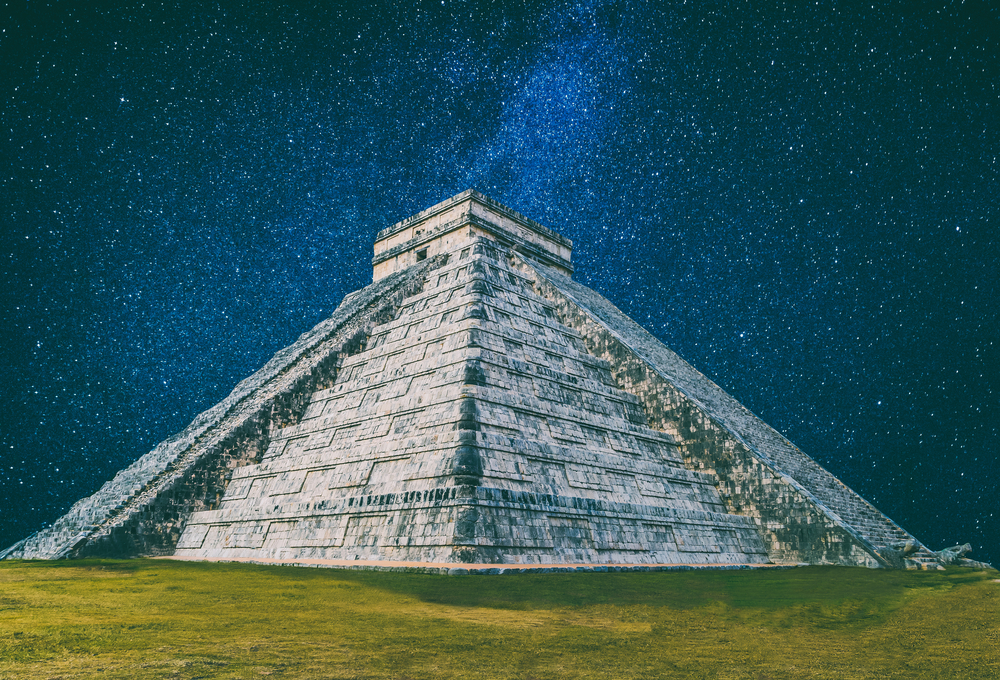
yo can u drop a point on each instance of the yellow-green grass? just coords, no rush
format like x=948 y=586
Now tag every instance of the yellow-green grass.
x=164 y=619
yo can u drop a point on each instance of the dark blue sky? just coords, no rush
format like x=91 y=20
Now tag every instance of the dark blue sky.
x=800 y=199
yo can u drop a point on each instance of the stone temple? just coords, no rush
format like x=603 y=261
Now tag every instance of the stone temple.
x=474 y=405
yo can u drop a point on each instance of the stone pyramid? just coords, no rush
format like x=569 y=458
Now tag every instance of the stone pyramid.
x=475 y=405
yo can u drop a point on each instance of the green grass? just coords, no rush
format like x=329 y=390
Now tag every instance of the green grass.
x=164 y=619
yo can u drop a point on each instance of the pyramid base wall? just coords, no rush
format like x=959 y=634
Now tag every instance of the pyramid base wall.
x=481 y=526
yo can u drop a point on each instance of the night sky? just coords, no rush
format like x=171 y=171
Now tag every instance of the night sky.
x=801 y=199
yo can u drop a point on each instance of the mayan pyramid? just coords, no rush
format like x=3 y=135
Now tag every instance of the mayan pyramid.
x=475 y=405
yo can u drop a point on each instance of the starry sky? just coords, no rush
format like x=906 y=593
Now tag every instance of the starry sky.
x=798 y=198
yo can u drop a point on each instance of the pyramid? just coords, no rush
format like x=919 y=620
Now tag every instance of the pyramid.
x=475 y=405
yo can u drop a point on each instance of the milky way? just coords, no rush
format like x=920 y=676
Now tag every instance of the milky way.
x=800 y=200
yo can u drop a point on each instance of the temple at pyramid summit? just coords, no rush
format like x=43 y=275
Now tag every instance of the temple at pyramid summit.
x=475 y=405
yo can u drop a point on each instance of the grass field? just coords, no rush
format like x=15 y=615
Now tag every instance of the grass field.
x=165 y=619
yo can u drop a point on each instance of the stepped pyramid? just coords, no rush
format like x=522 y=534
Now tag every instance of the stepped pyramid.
x=475 y=405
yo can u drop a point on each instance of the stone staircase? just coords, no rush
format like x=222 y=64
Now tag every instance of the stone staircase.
x=885 y=535
x=922 y=559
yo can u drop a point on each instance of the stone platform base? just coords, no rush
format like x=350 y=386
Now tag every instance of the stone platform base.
x=452 y=569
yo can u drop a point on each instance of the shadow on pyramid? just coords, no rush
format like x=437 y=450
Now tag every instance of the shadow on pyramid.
x=476 y=406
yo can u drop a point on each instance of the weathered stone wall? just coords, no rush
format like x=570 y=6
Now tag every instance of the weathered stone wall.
x=804 y=514
x=143 y=509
